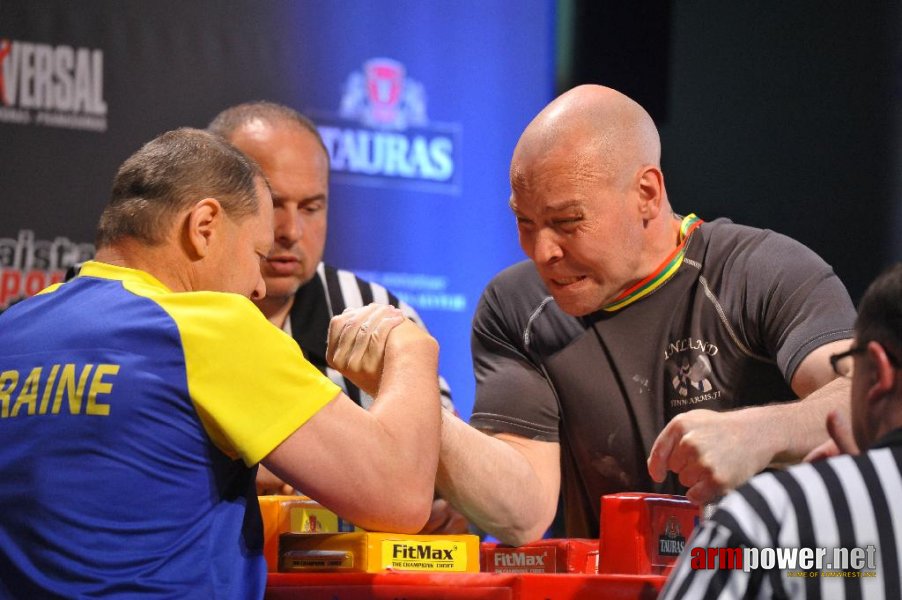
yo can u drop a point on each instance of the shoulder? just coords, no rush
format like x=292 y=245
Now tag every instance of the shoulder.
x=769 y=501
x=761 y=507
x=877 y=461
x=756 y=513
x=517 y=307
x=217 y=305
x=330 y=273
x=516 y=289
x=759 y=272
x=729 y=243
x=210 y=317
x=512 y=296
x=356 y=289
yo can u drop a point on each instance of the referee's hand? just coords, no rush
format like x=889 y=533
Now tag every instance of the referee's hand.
x=841 y=441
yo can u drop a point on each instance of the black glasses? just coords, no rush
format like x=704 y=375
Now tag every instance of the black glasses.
x=842 y=362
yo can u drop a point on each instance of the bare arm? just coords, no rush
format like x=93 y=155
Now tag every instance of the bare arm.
x=821 y=391
x=506 y=484
x=715 y=452
x=445 y=519
x=268 y=483
x=376 y=468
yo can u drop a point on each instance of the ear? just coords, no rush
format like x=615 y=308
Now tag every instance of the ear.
x=202 y=224
x=650 y=183
x=881 y=375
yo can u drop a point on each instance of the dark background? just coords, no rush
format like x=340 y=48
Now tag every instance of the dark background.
x=781 y=115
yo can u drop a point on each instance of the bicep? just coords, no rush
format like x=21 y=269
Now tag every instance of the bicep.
x=374 y=468
x=791 y=303
x=318 y=457
x=512 y=394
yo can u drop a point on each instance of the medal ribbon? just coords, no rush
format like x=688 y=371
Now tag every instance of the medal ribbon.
x=664 y=271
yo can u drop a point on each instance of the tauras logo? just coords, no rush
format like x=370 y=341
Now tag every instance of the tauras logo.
x=383 y=136
x=389 y=154
x=671 y=547
x=518 y=559
x=671 y=543
x=56 y=86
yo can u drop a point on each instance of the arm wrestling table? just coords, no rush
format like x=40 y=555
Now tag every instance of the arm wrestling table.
x=641 y=537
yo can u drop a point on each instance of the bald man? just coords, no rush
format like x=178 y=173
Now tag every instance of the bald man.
x=618 y=352
x=302 y=292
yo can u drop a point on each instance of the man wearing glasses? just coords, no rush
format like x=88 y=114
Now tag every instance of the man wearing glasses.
x=848 y=502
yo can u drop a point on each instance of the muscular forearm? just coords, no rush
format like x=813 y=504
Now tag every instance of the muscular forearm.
x=715 y=452
x=795 y=428
x=493 y=484
x=374 y=468
x=405 y=442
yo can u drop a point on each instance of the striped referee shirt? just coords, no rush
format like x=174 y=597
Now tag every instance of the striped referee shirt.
x=844 y=502
x=328 y=294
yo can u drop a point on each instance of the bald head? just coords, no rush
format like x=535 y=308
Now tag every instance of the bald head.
x=254 y=117
x=589 y=197
x=598 y=128
x=288 y=148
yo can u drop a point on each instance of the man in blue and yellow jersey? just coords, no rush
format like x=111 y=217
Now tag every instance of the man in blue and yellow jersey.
x=615 y=354
x=137 y=399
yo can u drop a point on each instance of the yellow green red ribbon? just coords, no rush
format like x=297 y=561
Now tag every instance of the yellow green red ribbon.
x=664 y=271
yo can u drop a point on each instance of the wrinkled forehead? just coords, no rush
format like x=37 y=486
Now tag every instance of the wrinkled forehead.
x=562 y=171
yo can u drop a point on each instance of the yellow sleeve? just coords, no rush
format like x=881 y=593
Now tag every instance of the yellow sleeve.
x=249 y=381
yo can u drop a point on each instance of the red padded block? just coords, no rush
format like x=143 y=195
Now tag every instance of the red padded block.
x=643 y=534
x=589 y=587
x=575 y=555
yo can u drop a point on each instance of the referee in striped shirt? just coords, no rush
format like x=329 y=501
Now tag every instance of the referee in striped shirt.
x=843 y=507
x=302 y=292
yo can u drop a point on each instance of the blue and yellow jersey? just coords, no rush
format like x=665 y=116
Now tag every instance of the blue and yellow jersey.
x=130 y=418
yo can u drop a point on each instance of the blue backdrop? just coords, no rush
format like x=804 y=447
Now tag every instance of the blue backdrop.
x=421 y=104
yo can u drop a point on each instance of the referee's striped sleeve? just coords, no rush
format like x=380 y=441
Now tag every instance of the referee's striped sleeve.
x=882 y=477
x=686 y=582
x=344 y=289
x=735 y=524
x=843 y=503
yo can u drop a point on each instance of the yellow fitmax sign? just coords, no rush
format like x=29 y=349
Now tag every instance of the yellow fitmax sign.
x=377 y=552
x=41 y=391
x=437 y=555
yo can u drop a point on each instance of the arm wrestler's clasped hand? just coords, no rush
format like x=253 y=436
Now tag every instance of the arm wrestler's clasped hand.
x=356 y=346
